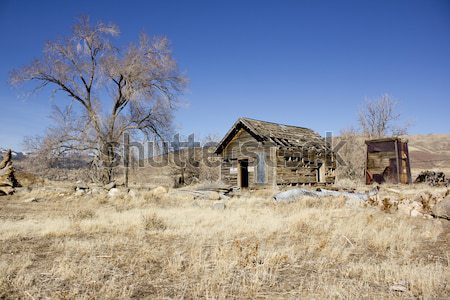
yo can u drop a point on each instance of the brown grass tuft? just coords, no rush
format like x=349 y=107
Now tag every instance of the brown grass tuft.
x=153 y=222
x=82 y=214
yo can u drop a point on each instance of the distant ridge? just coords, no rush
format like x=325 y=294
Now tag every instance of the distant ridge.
x=15 y=154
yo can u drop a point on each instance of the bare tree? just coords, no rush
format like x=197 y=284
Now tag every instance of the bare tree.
x=115 y=90
x=352 y=154
x=378 y=118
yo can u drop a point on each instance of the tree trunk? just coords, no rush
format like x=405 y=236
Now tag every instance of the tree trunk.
x=107 y=158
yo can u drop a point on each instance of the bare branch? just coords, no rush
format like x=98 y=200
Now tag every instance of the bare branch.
x=143 y=77
x=378 y=118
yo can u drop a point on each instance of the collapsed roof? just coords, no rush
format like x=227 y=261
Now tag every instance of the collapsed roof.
x=274 y=134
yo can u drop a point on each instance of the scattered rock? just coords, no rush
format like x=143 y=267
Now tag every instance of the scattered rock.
x=223 y=197
x=81 y=186
x=415 y=213
x=398 y=288
x=412 y=208
x=402 y=286
x=114 y=192
x=97 y=190
x=404 y=208
x=133 y=194
x=110 y=186
x=297 y=194
x=6 y=190
x=80 y=192
x=442 y=209
x=219 y=206
x=29 y=200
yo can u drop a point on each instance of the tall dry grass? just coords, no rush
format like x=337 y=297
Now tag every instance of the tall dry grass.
x=147 y=246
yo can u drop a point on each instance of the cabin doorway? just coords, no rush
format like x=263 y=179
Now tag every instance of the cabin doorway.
x=320 y=172
x=243 y=173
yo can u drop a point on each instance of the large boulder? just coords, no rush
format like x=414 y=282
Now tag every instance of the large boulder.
x=442 y=209
x=8 y=181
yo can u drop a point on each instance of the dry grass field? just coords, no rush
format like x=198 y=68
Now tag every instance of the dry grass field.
x=148 y=245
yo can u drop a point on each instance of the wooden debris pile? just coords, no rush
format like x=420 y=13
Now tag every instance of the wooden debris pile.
x=8 y=181
x=432 y=178
x=210 y=191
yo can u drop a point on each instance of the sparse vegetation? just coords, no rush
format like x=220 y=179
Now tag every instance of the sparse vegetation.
x=153 y=222
x=175 y=247
x=82 y=214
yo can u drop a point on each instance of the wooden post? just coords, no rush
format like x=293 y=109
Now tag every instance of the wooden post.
x=408 y=165
x=366 y=166
x=397 y=160
x=126 y=158
x=273 y=161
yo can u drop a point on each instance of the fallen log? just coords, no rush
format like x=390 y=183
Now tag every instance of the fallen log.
x=8 y=181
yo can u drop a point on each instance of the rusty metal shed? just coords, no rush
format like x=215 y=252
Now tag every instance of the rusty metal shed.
x=387 y=161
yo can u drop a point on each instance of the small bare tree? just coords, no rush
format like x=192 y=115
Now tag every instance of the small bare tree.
x=378 y=118
x=210 y=165
x=116 y=90
x=196 y=164
x=352 y=154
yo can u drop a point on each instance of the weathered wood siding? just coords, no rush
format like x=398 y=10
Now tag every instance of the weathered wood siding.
x=245 y=146
x=295 y=168
x=282 y=167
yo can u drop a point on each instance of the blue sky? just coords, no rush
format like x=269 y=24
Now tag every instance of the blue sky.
x=307 y=63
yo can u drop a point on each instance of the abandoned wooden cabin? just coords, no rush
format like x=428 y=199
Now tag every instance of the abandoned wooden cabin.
x=259 y=154
x=387 y=161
